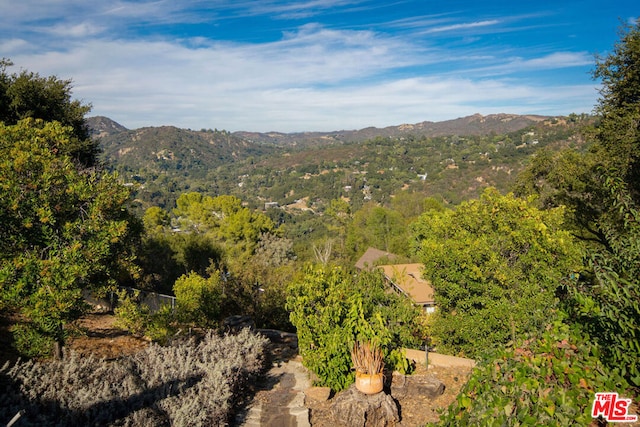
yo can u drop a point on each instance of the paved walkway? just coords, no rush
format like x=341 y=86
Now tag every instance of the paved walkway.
x=280 y=400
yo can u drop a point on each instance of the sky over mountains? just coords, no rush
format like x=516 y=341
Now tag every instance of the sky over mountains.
x=315 y=65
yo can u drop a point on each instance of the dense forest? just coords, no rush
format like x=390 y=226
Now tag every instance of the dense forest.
x=528 y=236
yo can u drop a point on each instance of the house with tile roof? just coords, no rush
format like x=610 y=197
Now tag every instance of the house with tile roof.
x=407 y=279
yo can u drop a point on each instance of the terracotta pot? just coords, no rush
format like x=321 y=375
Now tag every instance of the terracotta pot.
x=369 y=383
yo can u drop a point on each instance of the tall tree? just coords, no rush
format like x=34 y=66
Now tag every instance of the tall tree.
x=576 y=179
x=618 y=132
x=609 y=304
x=495 y=264
x=601 y=189
x=378 y=227
x=29 y=95
x=63 y=230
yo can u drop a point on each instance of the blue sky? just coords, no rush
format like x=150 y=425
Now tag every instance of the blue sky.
x=315 y=65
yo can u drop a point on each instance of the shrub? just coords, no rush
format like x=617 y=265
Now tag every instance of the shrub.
x=332 y=308
x=130 y=315
x=195 y=384
x=30 y=342
x=547 y=381
x=198 y=298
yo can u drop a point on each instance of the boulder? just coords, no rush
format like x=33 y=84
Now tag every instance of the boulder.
x=317 y=394
x=353 y=408
x=416 y=385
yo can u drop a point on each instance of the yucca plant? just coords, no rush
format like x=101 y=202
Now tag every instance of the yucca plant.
x=367 y=358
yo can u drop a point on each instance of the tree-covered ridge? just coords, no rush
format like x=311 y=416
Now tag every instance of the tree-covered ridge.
x=164 y=162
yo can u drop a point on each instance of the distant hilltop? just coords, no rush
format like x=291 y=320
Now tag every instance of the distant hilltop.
x=476 y=124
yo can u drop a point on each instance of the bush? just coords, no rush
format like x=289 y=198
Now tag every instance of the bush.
x=195 y=384
x=548 y=381
x=198 y=298
x=332 y=308
x=130 y=315
x=495 y=264
x=30 y=342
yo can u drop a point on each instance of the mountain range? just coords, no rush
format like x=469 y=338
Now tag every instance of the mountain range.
x=477 y=124
x=454 y=159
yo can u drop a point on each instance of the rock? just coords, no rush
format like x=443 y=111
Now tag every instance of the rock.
x=235 y=324
x=280 y=337
x=317 y=394
x=355 y=409
x=416 y=385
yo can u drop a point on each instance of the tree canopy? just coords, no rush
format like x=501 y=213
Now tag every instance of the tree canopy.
x=495 y=264
x=29 y=95
x=64 y=229
x=601 y=189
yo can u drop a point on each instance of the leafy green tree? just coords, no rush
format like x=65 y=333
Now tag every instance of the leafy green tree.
x=379 y=227
x=495 y=264
x=601 y=189
x=198 y=298
x=27 y=94
x=575 y=178
x=608 y=306
x=410 y=205
x=225 y=219
x=618 y=131
x=566 y=178
x=63 y=230
x=331 y=308
x=156 y=220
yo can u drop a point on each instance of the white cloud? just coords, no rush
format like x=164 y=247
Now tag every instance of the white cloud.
x=313 y=78
x=464 y=26
x=76 y=31
x=552 y=61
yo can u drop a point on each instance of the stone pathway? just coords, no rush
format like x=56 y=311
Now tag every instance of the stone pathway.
x=279 y=401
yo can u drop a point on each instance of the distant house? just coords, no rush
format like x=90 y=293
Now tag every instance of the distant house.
x=407 y=279
x=404 y=278
x=368 y=259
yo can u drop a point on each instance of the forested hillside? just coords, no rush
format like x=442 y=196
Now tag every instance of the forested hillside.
x=372 y=164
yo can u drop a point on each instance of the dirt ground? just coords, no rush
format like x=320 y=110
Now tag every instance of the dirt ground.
x=95 y=334
x=102 y=339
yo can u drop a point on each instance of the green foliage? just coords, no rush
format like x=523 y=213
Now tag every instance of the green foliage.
x=225 y=219
x=331 y=308
x=130 y=314
x=155 y=220
x=64 y=229
x=31 y=342
x=566 y=178
x=601 y=190
x=495 y=264
x=161 y=325
x=618 y=131
x=198 y=299
x=138 y=319
x=378 y=227
x=549 y=380
x=28 y=95
x=609 y=306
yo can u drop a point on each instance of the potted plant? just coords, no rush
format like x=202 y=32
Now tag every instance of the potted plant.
x=368 y=363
